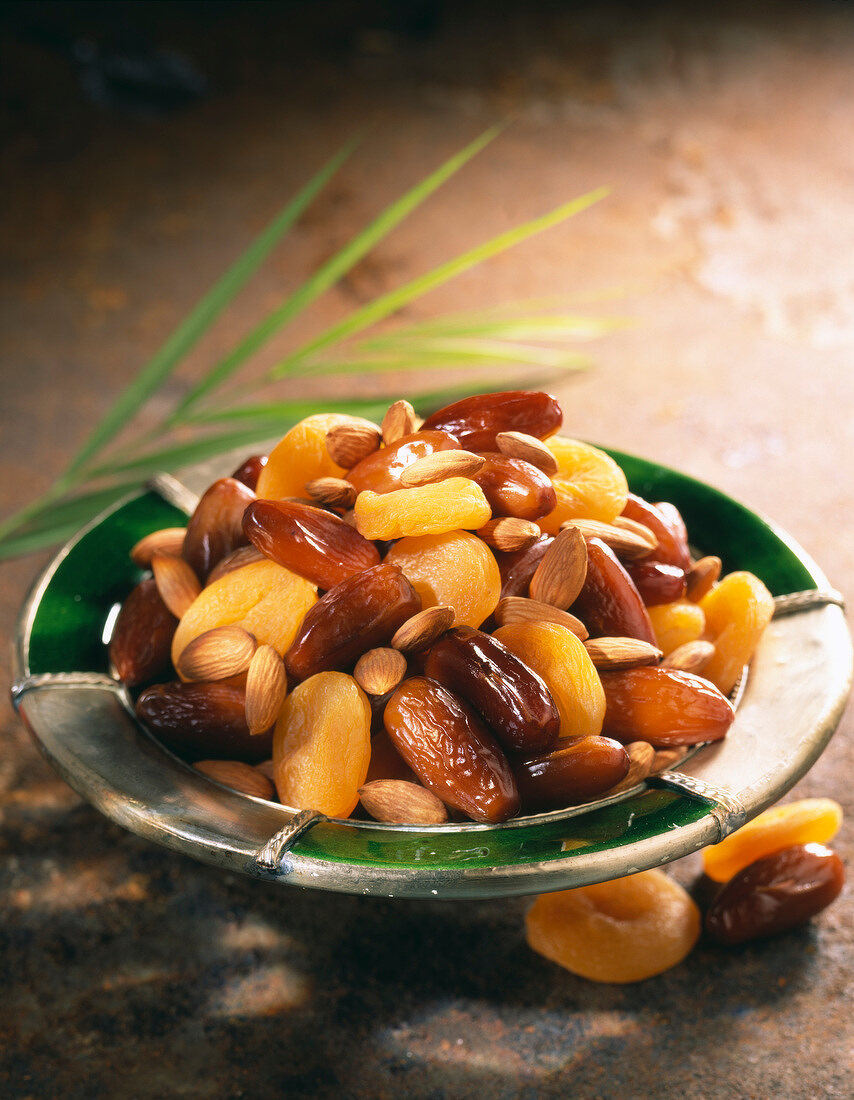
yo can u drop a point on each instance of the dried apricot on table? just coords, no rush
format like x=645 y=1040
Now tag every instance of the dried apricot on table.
x=322 y=745
x=807 y=821
x=588 y=484
x=450 y=505
x=737 y=611
x=455 y=569
x=625 y=930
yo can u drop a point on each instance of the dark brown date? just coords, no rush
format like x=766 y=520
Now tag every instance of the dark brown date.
x=216 y=526
x=315 y=544
x=776 y=893
x=609 y=604
x=450 y=751
x=358 y=614
x=142 y=636
x=512 y=699
x=667 y=526
x=663 y=706
x=517 y=567
x=513 y=487
x=202 y=722
x=657 y=582
x=580 y=770
x=249 y=471
x=475 y=421
x=380 y=472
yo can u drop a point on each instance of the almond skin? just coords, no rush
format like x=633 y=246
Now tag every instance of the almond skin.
x=519 y=609
x=217 y=654
x=528 y=448
x=560 y=575
x=332 y=490
x=266 y=688
x=349 y=443
x=690 y=657
x=398 y=802
x=439 y=466
x=169 y=540
x=641 y=757
x=422 y=629
x=240 y=777
x=399 y=420
x=610 y=653
x=176 y=582
x=702 y=576
x=380 y=670
x=508 y=534
x=625 y=543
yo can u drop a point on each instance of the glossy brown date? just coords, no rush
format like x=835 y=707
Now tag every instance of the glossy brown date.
x=776 y=893
x=579 y=771
x=666 y=524
x=315 y=544
x=475 y=421
x=202 y=721
x=518 y=567
x=512 y=700
x=513 y=487
x=380 y=471
x=358 y=614
x=656 y=581
x=663 y=706
x=249 y=471
x=450 y=751
x=216 y=526
x=609 y=604
x=142 y=635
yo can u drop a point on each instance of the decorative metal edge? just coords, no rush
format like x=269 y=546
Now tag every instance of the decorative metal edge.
x=21 y=686
x=270 y=856
x=793 y=602
x=174 y=491
x=727 y=809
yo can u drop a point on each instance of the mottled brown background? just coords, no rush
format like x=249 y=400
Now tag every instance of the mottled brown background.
x=729 y=238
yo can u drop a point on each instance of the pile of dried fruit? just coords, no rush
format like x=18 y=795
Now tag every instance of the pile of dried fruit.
x=469 y=616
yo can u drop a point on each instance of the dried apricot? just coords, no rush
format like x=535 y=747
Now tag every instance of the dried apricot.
x=301 y=456
x=737 y=611
x=621 y=931
x=455 y=569
x=322 y=745
x=450 y=505
x=589 y=484
x=676 y=623
x=807 y=821
x=562 y=662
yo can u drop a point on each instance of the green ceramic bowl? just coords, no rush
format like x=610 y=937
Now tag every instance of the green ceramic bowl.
x=83 y=721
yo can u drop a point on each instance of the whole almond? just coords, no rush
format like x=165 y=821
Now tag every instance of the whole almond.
x=639 y=529
x=507 y=533
x=240 y=777
x=612 y=653
x=349 y=443
x=701 y=577
x=423 y=629
x=380 y=670
x=169 y=540
x=217 y=654
x=399 y=802
x=625 y=543
x=332 y=490
x=690 y=657
x=266 y=687
x=666 y=758
x=439 y=466
x=641 y=756
x=176 y=582
x=399 y=420
x=561 y=573
x=519 y=609
x=529 y=448
x=243 y=555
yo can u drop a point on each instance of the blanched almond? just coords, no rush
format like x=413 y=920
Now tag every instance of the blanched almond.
x=240 y=777
x=439 y=466
x=560 y=575
x=528 y=448
x=423 y=629
x=702 y=576
x=611 y=653
x=380 y=670
x=217 y=654
x=266 y=687
x=625 y=543
x=398 y=802
x=400 y=420
x=169 y=540
x=519 y=609
x=349 y=443
x=332 y=490
x=507 y=533
x=176 y=582
x=690 y=657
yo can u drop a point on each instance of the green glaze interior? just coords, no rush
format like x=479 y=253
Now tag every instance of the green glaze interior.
x=96 y=573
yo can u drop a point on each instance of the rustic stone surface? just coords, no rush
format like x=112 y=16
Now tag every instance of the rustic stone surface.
x=130 y=971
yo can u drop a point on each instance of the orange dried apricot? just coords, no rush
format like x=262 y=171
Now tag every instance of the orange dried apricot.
x=561 y=660
x=676 y=623
x=621 y=931
x=455 y=569
x=457 y=503
x=807 y=821
x=589 y=484
x=737 y=611
x=301 y=456
x=322 y=745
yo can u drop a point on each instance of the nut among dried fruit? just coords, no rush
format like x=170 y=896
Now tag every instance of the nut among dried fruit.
x=237 y=775
x=399 y=802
